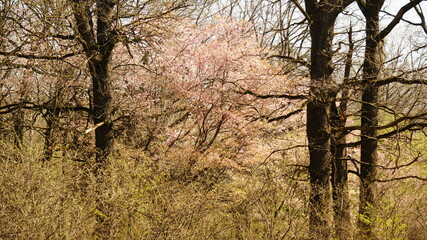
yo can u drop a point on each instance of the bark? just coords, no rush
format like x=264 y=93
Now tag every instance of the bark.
x=339 y=178
x=322 y=20
x=51 y=117
x=19 y=122
x=48 y=136
x=18 y=127
x=369 y=112
x=98 y=45
x=103 y=143
x=369 y=118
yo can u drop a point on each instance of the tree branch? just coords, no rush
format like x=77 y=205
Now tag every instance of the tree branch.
x=32 y=56
x=29 y=105
x=422 y=18
x=396 y=20
x=409 y=127
x=402 y=178
x=292 y=59
x=285 y=116
x=393 y=79
x=84 y=25
x=287 y=96
x=301 y=9
x=63 y=37
x=391 y=124
x=398 y=79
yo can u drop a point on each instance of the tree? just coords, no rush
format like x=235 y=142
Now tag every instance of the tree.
x=207 y=100
x=322 y=18
x=97 y=27
x=369 y=111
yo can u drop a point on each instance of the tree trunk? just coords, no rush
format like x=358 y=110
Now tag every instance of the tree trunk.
x=322 y=16
x=102 y=96
x=368 y=159
x=369 y=119
x=48 y=136
x=318 y=124
x=103 y=143
x=339 y=178
x=98 y=45
x=18 y=127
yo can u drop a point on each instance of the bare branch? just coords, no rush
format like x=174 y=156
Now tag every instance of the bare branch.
x=287 y=96
x=389 y=125
x=385 y=168
x=63 y=37
x=396 y=19
x=292 y=59
x=423 y=19
x=32 y=56
x=402 y=178
x=398 y=79
x=409 y=127
x=301 y=9
x=29 y=105
x=94 y=128
x=285 y=116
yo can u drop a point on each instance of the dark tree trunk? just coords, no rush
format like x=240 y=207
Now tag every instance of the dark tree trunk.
x=318 y=130
x=48 y=136
x=18 y=127
x=102 y=111
x=369 y=112
x=51 y=117
x=369 y=118
x=98 y=45
x=322 y=92
x=103 y=143
x=368 y=159
x=339 y=178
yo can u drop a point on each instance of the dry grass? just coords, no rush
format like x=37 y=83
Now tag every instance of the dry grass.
x=164 y=198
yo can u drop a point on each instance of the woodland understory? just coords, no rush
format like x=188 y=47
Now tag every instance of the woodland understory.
x=219 y=119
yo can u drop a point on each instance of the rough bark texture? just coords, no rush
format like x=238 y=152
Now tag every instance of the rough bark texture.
x=322 y=20
x=318 y=128
x=369 y=112
x=369 y=118
x=51 y=119
x=18 y=127
x=339 y=179
x=98 y=45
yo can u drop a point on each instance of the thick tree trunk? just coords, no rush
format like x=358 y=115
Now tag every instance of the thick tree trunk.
x=103 y=143
x=318 y=124
x=318 y=130
x=98 y=45
x=369 y=112
x=368 y=159
x=322 y=16
x=369 y=120
x=102 y=96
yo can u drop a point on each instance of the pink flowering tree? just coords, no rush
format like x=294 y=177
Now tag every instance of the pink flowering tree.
x=209 y=86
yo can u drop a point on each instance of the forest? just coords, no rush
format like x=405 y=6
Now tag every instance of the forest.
x=215 y=119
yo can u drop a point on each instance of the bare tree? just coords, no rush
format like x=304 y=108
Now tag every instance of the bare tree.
x=322 y=18
x=369 y=113
x=76 y=30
